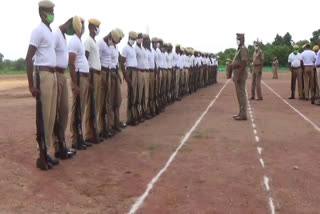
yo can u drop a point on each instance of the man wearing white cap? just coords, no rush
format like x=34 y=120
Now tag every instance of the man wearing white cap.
x=62 y=56
x=41 y=49
x=129 y=69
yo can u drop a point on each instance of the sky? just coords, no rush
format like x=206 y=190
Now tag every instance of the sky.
x=205 y=25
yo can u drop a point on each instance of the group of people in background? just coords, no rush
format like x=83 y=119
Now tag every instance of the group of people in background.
x=156 y=76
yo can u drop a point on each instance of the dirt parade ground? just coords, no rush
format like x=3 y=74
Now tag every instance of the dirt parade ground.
x=194 y=158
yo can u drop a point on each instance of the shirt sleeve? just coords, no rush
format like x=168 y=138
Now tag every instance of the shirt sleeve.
x=36 y=38
x=72 y=46
x=124 y=52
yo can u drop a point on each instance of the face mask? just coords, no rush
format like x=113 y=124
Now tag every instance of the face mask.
x=158 y=45
x=49 y=17
x=131 y=42
x=295 y=51
x=70 y=32
x=238 y=42
x=97 y=31
x=139 y=41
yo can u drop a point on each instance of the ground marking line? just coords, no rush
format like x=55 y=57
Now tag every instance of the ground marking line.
x=296 y=110
x=257 y=139
x=261 y=162
x=271 y=205
x=259 y=150
x=134 y=208
x=255 y=131
x=266 y=183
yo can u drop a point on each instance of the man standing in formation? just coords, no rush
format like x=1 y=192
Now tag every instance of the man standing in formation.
x=258 y=61
x=295 y=65
x=240 y=75
x=275 y=65
x=308 y=58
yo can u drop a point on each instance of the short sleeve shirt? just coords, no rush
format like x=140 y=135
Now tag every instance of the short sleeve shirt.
x=114 y=57
x=43 y=39
x=308 y=57
x=295 y=60
x=61 y=49
x=105 y=54
x=76 y=47
x=94 y=56
x=129 y=53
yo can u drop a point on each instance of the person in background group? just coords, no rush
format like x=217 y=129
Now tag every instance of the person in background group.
x=308 y=58
x=295 y=64
x=229 y=68
x=275 y=65
x=258 y=61
x=317 y=66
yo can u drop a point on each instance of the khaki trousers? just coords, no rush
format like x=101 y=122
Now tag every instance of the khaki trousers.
x=103 y=101
x=141 y=83
x=275 y=72
x=296 y=75
x=241 y=93
x=84 y=101
x=146 y=91
x=132 y=95
x=308 y=76
x=97 y=102
x=169 y=73
x=164 y=82
x=115 y=101
x=48 y=97
x=318 y=81
x=62 y=105
x=256 y=81
x=178 y=74
x=152 y=90
x=201 y=77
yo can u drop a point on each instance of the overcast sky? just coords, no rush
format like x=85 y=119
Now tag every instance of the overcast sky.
x=205 y=25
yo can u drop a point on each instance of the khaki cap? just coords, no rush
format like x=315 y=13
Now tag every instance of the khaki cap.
x=133 y=35
x=95 y=22
x=155 y=39
x=240 y=35
x=115 y=36
x=296 y=47
x=275 y=58
x=145 y=36
x=46 y=4
x=120 y=32
x=77 y=25
x=306 y=45
x=315 y=48
x=177 y=46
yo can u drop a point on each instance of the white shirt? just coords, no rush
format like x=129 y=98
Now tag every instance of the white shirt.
x=94 y=56
x=295 y=60
x=164 y=60
x=145 y=58
x=105 y=53
x=308 y=57
x=140 y=56
x=159 y=58
x=151 y=58
x=61 y=49
x=114 y=57
x=43 y=39
x=192 y=61
x=170 y=60
x=81 y=62
x=130 y=54
x=175 y=59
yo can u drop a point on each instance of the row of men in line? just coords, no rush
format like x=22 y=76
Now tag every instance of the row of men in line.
x=305 y=69
x=155 y=76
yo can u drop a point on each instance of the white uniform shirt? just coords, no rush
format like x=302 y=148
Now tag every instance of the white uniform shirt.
x=76 y=47
x=105 y=53
x=114 y=57
x=140 y=56
x=170 y=60
x=175 y=59
x=164 y=60
x=308 y=57
x=295 y=60
x=193 y=61
x=130 y=54
x=145 y=58
x=61 y=49
x=94 y=56
x=151 y=58
x=43 y=39
x=159 y=58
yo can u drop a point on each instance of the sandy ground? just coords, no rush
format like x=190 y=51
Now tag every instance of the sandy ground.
x=218 y=170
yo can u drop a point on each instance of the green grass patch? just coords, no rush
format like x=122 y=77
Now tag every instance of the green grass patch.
x=266 y=68
x=8 y=72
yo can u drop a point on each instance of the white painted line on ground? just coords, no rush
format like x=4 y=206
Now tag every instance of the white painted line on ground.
x=271 y=206
x=266 y=183
x=261 y=162
x=253 y=125
x=259 y=150
x=252 y=120
x=257 y=139
x=255 y=131
x=134 y=208
x=296 y=110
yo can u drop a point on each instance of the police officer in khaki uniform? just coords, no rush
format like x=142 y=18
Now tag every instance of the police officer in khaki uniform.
x=41 y=48
x=229 y=68
x=258 y=61
x=240 y=75
x=275 y=65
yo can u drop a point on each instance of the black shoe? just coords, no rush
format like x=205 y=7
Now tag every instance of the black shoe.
x=292 y=98
x=251 y=98
x=117 y=130
x=148 y=116
x=79 y=146
x=240 y=118
x=87 y=144
x=259 y=98
x=52 y=161
x=66 y=154
x=123 y=125
x=43 y=166
x=236 y=115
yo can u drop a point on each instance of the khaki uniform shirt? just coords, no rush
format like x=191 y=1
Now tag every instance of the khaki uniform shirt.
x=258 y=57
x=242 y=54
x=275 y=63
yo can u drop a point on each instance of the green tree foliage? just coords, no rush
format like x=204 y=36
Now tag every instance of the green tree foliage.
x=1 y=57
x=315 y=37
x=16 y=65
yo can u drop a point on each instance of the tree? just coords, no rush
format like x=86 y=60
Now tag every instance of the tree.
x=315 y=37
x=287 y=39
x=1 y=57
x=19 y=65
x=278 y=40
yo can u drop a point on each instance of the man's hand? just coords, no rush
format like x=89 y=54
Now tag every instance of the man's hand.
x=34 y=91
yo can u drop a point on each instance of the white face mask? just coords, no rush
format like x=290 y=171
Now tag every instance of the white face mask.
x=238 y=42
x=256 y=47
x=131 y=41
x=97 y=31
